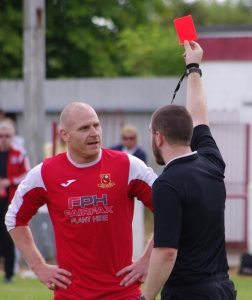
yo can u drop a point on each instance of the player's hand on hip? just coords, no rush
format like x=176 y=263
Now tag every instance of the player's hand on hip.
x=193 y=52
x=134 y=272
x=52 y=276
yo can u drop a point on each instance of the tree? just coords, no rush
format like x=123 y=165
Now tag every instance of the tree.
x=11 y=28
x=150 y=49
x=79 y=44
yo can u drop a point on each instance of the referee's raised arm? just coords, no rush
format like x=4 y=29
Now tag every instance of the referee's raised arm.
x=195 y=98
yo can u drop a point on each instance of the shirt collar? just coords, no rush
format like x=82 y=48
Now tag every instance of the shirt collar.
x=181 y=156
x=85 y=165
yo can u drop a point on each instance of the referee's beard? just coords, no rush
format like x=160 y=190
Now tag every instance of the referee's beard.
x=157 y=154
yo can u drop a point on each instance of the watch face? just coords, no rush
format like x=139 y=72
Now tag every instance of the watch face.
x=142 y=298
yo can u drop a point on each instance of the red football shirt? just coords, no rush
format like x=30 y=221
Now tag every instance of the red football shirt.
x=91 y=208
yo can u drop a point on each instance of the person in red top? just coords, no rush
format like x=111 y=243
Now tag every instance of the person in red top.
x=89 y=192
x=13 y=167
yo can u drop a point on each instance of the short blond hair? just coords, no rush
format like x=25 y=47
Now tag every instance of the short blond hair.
x=129 y=128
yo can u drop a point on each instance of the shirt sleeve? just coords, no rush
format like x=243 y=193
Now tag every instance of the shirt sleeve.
x=204 y=143
x=30 y=195
x=140 y=181
x=167 y=215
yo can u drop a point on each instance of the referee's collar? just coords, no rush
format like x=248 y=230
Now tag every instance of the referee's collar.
x=185 y=157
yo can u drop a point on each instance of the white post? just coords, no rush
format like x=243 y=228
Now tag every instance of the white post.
x=34 y=75
x=138 y=230
x=249 y=219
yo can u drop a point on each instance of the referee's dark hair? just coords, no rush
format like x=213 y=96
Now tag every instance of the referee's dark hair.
x=174 y=123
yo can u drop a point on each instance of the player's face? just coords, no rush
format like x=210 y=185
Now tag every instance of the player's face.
x=84 y=136
x=6 y=137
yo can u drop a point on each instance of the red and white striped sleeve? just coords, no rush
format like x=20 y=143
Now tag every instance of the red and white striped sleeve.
x=141 y=178
x=30 y=195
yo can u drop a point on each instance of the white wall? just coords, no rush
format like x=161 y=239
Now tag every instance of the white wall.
x=228 y=88
x=228 y=84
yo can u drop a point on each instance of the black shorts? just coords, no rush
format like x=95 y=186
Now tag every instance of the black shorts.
x=217 y=288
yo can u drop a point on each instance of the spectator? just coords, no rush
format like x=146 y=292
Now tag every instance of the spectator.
x=129 y=143
x=17 y=141
x=13 y=168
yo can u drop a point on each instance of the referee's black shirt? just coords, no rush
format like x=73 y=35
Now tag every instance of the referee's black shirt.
x=189 y=202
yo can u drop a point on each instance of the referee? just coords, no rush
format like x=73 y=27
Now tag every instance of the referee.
x=189 y=258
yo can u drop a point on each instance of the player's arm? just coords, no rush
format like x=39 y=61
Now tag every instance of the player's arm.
x=141 y=179
x=30 y=195
x=139 y=269
x=140 y=182
x=195 y=99
x=49 y=275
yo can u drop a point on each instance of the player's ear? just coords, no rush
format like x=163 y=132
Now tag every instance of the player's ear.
x=64 y=135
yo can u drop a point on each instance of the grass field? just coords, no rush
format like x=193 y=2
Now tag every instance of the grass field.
x=31 y=289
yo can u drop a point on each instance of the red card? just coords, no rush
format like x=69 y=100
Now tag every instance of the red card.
x=185 y=29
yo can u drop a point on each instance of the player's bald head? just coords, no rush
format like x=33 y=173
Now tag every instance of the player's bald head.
x=72 y=110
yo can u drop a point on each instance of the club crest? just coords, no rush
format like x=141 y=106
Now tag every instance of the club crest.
x=105 y=181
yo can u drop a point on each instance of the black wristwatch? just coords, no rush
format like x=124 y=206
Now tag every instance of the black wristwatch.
x=142 y=297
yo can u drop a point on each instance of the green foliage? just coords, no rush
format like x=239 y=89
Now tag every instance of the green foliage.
x=150 y=49
x=74 y=43
x=11 y=39
x=97 y=38
x=82 y=48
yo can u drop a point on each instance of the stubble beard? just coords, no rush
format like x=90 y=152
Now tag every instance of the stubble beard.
x=157 y=153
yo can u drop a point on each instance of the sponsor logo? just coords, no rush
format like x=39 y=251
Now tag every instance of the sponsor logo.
x=83 y=201
x=106 y=182
x=65 y=184
x=88 y=209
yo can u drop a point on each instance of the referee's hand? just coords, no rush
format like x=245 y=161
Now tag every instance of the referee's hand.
x=134 y=272
x=193 y=53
